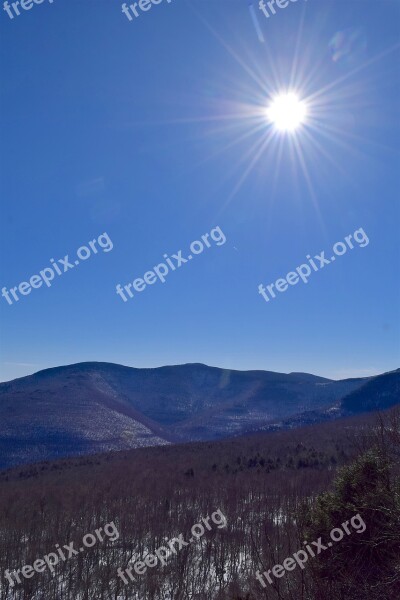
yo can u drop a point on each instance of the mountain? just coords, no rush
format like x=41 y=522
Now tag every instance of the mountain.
x=96 y=407
x=375 y=394
x=68 y=410
x=379 y=393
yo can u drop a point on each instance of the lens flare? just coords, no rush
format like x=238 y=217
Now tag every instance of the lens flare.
x=287 y=112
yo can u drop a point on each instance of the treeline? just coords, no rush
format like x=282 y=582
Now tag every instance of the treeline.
x=262 y=484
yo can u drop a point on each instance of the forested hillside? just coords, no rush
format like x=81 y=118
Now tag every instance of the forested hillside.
x=259 y=483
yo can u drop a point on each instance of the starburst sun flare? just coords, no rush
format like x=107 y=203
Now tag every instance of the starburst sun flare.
x=287 y=112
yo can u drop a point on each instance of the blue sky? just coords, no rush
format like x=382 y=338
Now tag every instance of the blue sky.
x=150 y=131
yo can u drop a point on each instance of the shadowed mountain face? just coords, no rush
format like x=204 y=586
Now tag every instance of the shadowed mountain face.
x=377 y=394
x=95 y=407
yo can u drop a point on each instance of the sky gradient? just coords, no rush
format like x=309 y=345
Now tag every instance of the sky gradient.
x=151 y=131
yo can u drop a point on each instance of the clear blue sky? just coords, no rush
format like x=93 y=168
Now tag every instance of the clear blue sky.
x=148 y=130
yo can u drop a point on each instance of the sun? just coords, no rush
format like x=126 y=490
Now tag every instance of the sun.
x=287 y=112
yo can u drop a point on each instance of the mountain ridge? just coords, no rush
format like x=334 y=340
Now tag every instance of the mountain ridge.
x=98 y=406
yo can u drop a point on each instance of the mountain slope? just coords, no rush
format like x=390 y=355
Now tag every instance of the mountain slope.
x=380 y=393
x=95 y=407
x=375 y=394
x=60 y=412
